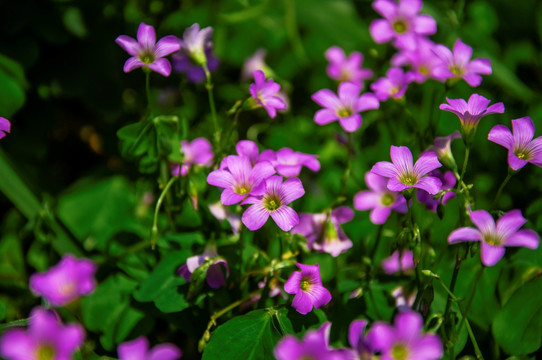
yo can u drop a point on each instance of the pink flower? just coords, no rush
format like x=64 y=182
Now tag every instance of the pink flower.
x=239 y=179
x=381 y=200
x=493 y=238
x=323 y=231
x=403 y=175
x=401 y=23
x=404 y=340
x=522 y=149
x=422 y=61
x=458 y=65
x=196 y=43
x=400 y=261
x=214 y=275
x=308 y=289
x=448 y=182
x=345 y=108
x=5 y=127
x=45 y=338
x=394 y=85
x=253 y=63
x=265 y=93
x=273 y=202
x=138 y=349
x=342 y=68
x=199 y=152
x=315 y=345
x=66 y=281
x=146 y=52
x=288 y=162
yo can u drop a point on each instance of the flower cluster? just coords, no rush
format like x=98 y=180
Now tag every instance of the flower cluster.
x=248 y=178
x=402 y=340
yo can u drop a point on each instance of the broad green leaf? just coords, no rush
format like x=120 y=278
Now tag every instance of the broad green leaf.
x=162 y=285
x=107 y=310
x=95 y=211
x=250 y=337
x=12 y=84
x=517 y=327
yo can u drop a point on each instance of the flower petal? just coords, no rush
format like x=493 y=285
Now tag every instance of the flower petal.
x=491 y=254
x=501 y=135
x=402 y=159
x=381 y=31
x=365 y=200
x=385 y=169
x=510 y=223
x=367 y=101
x=342 y=214
x=428 y=347
x=464 y=234
x=483 y=221
x=408 y=326
x=255 y=217
x=167 y=45
x=285 y=217
x=128 y=44
x=133 y=63
x=356 y=332
x=220 y=178
x=395 y=185
x=292 y=285
x=165 y=351
x=325 y=116
x=430 y=184
x=515 y=162
x=388 y=9
x=146 y=36
x=134 y=350
x=526 y=237
x=425 y=25
x=523 y=130
x=161 y=66
x=380 y=214
x=327 y=99
x=230 y=197
x=427 y=162
x=302 y=302
x=351 y=123
x=462 y=52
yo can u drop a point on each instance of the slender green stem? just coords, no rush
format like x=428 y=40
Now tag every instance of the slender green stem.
x=377 y=241
x=348 y=169
x=469 y=303
x=209 y=87
x=293 y=34
x=154 y=232
x=464 y=169
x=452 y=287
x=148 y=88
x=501 y=188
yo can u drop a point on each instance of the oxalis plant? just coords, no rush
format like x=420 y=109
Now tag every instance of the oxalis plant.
x=356 y=205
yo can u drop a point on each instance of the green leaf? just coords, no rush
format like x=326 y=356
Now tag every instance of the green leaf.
x=12 y=84
x=251 y=336
x=517 y=327
x=96 y=211
x=162 y=285
x=107 y=310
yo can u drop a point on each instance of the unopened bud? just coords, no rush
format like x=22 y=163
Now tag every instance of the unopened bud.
x=417 y=253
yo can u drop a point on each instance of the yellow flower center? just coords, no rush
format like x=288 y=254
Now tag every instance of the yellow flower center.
x=424 y=70
x=400 y=26
x=344 y=112
x=242 y=190
x=456 y=70
x=399 y=352
x=271 y=203
x=387 y=199
x=45 y=352
x=492 y=239
x=305 y=284
x=147 y=57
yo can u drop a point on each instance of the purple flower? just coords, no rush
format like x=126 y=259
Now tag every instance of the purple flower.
x=308 y=289
x=448 y=182
x=5 y=127
x=146 y=52
x=288 y=162
x=422 y=61
x=393 y=85
x=442 y=147
x=345 y=107
x=323 y=231
x=45 y=338
x=458 y=65
x=470 y=113
x=493 y=238
x=380 y=199
x=66 y=281
x=220 y=212
x=199 y=152
x=404 y=297
x=182 y=63
x=239 y=179
x=520 y=144
x=400 y=261
x=138 y=349
x=404 y=340
x=195 y=43
x=342 y=68
x=274 y=200
x=214 y=276
x=358 y=341
x=315 y=345
x=254 y=63
x=401 y=22
x=265 y=94
x=403 y=175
